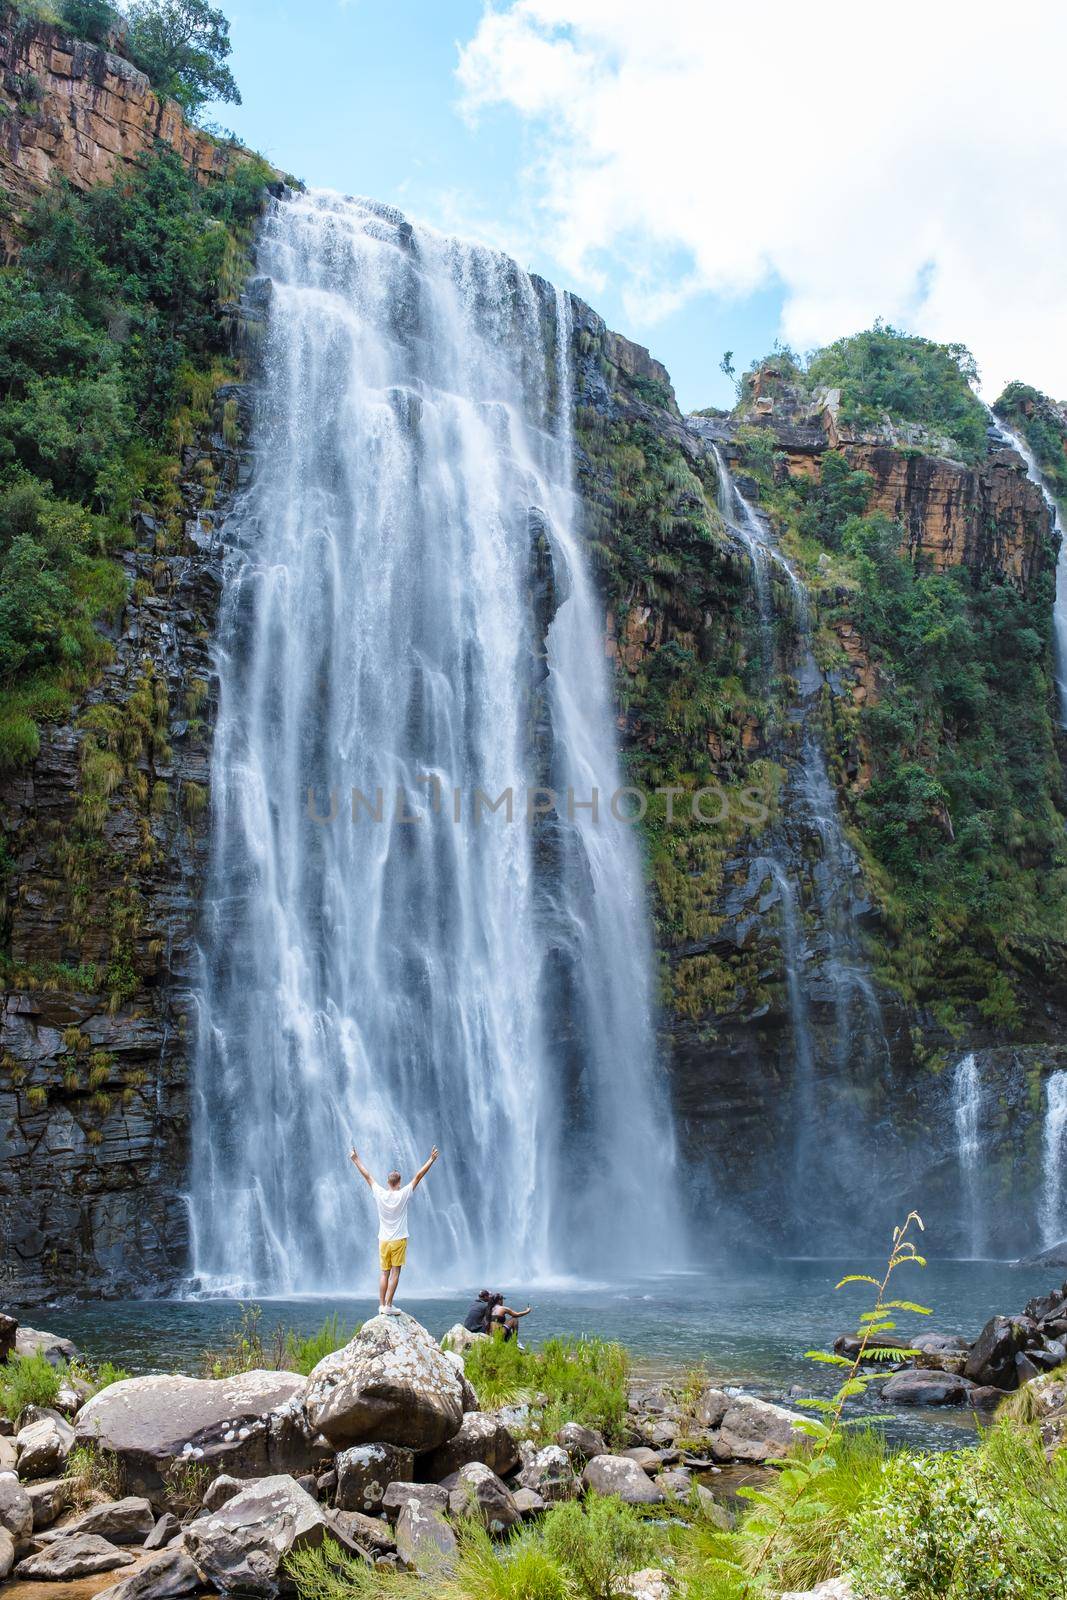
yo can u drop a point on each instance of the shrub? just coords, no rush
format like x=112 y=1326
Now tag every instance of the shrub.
x=585 y=1380
x=92 y=1474
x=521 y=1569
x=597 y=1544
x=282 y=1349
x=28 y=1381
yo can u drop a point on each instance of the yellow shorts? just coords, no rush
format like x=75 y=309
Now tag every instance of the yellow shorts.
x=392 y=1252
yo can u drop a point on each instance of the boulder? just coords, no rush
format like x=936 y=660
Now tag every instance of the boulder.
x=1054 y=1256
x=241 y=1546
x=549 y=1473
x=755 y=1430
x=619 y=1476
x=8 y=1331
x=8 y=1455
x=580 y=1443
x=848 y=1345
x=77 y=1557
x=711 y=1509
x=16 y=1507
x=647 y=1459
x=392 y=1384
x=652 y=1583
x=529 y=1503
x=481 y=1437
x=365 y=1472
x=429 y=1495
x=49 y=1500
x=470 y=1399
x=461 y=1339
x=221 y=1489
x=424 y=1541
x=44 y=1446
x=368 y=1533
x=7 y=1553
x=246 y=1426
x=926 y=1388
x=127 y=1521
x=992 y=1357
x=478 y=1492
x=56 y=1351
x=167 y=1528
x=677 y=1482
x=831 y=1589
x=711 y=1407
x=941 y=1344
x=170 y=1573
x=1047 y=1400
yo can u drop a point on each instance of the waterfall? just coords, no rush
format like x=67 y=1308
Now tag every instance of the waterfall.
x=810 y=813
x=1052 y=1213
x=407 y=624
x=966 y=1112
x=1014 y=441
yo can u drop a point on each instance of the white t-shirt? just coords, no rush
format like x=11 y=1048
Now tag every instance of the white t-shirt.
x=392 y=1211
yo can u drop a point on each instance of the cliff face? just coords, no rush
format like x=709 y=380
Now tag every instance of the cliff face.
x=71 y=110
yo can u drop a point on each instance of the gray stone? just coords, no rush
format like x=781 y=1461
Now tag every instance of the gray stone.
x=16 y=1507
x=711 y=1407
x=647 y=1459
x=831 y=1589
x=49 y=1500
x=529 y=1503
x=242 y=1546
x=8 y=1331
x=676 y=1482
x=247 y=1426
x=461 y=1339
x=424 y=1541
x=56 y=1351
x=429 y=1495
x=924 y=1387
x=8 y=1454
x=619 y=1476
x=80 y=1556
x=756 y=1430
x=365 y=1471
x=166 y=1529
x=480 y=1493
x=7 y=1553
x=44 y=1446
x=580 y=1443
x=221 y=1489
x=127 y=1521
x=170 y=1573
x=481 y=1437
x=550 y=1474
x=392 y=1384
x=369 y=1533
x=651 y=1583
x=992 y=1357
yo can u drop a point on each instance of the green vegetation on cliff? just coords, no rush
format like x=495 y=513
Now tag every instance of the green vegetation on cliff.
x=1043 y=424
x=110 y=349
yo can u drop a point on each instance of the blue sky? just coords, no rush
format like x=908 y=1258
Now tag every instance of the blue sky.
x=708 y=175
x=363 y=98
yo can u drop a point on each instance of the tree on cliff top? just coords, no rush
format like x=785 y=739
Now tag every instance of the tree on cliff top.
x=182 y=45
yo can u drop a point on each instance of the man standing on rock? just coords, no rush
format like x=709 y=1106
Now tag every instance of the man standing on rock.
x=392 y=1206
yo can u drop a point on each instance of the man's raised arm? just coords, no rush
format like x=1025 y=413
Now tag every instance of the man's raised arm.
x=424 y=1169
x=360 y=1168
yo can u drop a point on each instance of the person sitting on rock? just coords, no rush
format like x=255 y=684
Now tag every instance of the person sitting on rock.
x=477 y=1318
x=392 y=1206
x=503 y=1317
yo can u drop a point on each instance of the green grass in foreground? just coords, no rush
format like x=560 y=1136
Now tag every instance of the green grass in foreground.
x=584 y=1381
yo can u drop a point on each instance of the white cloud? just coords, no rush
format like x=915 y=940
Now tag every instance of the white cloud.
x=905 y=160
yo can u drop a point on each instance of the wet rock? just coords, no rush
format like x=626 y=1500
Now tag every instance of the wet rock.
x=167 y=1528
x=992 y=1357
x=16 y=1507
x=80 y=1556
x=755 y=1430
x=1025 y=1369
x=478 y=1492
x=921 y=1387
x=482 y=1436
x=429 y=1495
x=548 y=1472
x=529 y=1503
x=365 y=1472
x=241 y=1547
x=848 y=1345
x=127 y=1521
x=43 y=1446
x=246 y=1425
x=1054 y=1256
x=171 y=1573
x=56 y=1351
x=619 y=1476
x=580 y=1443
x=647 y=1459
x=392 y=1384
x=49 y=1500
x=424 y=1541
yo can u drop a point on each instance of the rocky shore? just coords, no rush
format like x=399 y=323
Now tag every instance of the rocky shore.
x=177 y=1483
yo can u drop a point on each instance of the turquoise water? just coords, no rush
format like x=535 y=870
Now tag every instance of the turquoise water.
x=749 y=1327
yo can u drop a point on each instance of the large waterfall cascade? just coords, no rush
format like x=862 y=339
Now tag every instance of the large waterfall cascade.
x=461 y=978
x=809 y=812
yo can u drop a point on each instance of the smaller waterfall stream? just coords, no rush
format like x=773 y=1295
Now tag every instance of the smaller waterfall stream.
x=966 y=1112
x=1052 y=1213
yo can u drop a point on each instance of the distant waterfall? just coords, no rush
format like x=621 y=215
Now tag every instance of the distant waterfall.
x=408 y=623
x=966 y=1112
x=1015 y=442
x=809 y=812
x=1052 y=1213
